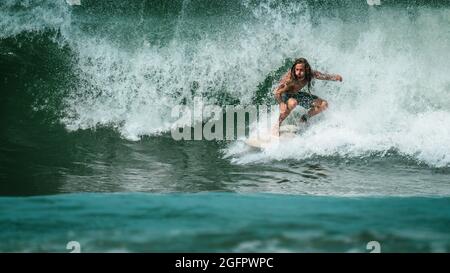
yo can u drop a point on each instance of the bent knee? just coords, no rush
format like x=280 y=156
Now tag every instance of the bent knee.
x=292 y=104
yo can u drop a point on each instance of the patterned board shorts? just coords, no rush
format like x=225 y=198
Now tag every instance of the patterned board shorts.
x=303 y=99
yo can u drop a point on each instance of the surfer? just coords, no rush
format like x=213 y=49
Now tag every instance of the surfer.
x=288 y=93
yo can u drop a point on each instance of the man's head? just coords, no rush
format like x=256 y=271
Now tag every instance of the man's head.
x=301 y=70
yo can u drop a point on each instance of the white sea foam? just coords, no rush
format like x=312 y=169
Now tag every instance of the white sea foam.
x=395 y=64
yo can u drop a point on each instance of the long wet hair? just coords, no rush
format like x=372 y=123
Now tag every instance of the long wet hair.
x=308 y=71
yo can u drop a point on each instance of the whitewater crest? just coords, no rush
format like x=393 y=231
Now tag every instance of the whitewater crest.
x=132 y=68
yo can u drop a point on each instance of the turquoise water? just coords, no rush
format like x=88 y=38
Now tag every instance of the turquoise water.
x=223 y=222
x=86 y=153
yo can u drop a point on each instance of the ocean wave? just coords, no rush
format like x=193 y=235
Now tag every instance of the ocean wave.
x=129 y=66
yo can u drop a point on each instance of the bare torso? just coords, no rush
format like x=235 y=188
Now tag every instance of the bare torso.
x=287 y=85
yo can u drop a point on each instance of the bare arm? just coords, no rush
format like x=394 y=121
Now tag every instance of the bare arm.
x=282 y=86
x=327 y=77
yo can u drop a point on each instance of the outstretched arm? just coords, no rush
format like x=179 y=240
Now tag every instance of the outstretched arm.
x=327 y=77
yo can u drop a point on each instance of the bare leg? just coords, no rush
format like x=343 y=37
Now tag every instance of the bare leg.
x=283 y=114
x=285 y=110
x=319 y=106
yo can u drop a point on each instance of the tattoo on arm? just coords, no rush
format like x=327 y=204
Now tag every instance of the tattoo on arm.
x=324 y=76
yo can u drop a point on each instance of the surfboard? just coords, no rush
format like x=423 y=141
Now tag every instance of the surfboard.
x=263 y=141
